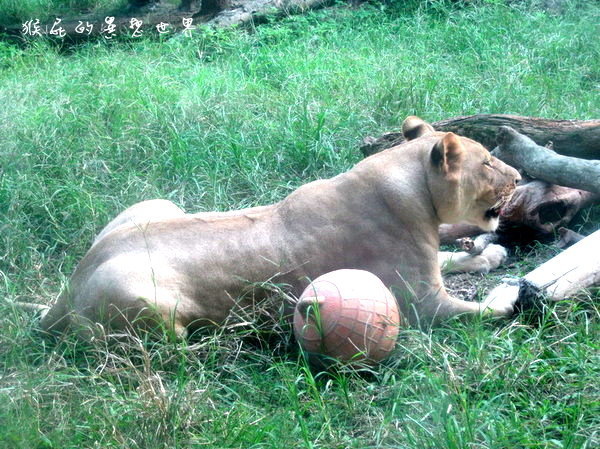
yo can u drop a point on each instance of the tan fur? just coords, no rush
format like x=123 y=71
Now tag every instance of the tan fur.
x=154 y=262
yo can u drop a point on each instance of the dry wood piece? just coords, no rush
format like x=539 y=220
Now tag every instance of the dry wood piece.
x=244 y=11
x=578 y=138
x=572 y=270
x=542 y=163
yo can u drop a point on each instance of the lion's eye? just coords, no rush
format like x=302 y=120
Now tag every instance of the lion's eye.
x=487 y=163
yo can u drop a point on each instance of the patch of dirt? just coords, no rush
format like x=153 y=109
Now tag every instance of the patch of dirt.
x=469 y=286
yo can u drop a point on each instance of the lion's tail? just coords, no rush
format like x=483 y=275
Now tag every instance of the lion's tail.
x=42 y=309
x=53 y=318
x=56 y=318
x=32 y=306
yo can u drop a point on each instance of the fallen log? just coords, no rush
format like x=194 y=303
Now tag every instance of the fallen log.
x=577 y=138
x=244 y=11
x=576 y=268
x=542 y=163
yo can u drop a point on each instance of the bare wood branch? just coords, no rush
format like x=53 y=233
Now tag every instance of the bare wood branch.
x=542 y=163
x=574 y=269
x=244 y=11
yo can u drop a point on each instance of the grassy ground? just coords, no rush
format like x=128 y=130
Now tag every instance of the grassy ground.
x=234 y=118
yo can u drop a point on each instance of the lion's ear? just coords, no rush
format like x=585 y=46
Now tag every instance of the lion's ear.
x=447 y=154
x=414 y=127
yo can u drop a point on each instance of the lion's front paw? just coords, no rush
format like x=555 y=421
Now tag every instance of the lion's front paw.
x=502 y=299
x=496 y=255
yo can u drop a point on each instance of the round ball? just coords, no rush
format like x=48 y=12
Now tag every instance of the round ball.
x=349 y=315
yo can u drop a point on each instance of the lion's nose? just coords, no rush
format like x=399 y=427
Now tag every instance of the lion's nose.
x=517 y=177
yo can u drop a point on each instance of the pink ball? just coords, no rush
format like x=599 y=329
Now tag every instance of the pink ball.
x=349 y=315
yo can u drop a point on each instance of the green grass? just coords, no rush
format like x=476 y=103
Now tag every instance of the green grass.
x=233 y=118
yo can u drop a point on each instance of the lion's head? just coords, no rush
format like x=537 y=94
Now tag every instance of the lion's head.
x=466 y=182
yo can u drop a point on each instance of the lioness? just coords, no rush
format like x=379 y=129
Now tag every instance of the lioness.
x=154 y=262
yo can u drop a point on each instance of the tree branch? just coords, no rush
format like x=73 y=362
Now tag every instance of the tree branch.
x=542 y=163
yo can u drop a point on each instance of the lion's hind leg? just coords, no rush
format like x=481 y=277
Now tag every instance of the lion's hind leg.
x=142 y=309
x=154 y=313
x=128 y=293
